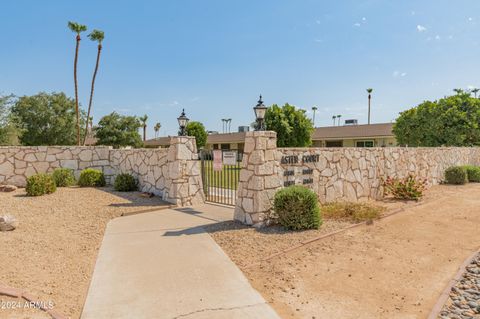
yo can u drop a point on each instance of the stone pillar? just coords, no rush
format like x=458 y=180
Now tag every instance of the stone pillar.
x=184 y=180
x=259 y=178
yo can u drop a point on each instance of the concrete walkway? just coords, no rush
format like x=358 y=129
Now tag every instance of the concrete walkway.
x=163 y=265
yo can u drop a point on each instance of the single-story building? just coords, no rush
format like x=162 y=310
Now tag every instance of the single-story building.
x=366 y=135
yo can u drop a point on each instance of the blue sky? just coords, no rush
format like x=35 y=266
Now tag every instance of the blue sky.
x=214 y=57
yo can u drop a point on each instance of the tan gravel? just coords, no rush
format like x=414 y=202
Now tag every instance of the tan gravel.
x=396 y=268
x=52 y=253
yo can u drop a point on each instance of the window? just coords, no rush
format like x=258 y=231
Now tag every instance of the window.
x=365 y=143
x=225 y=146
x=215 y=146
x=334 y=144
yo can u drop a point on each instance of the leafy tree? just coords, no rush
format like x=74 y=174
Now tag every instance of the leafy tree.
x=77 y=28
x=293 y=127
x=450 y=121
x=8 y=132
x=98 y=36
x=118 y=131
x=46 y=119
x=197 y=129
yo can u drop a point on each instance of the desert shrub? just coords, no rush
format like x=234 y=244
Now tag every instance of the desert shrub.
x=297 y=208
x=405 y=188
x=355 y=212
x=456 y=175
x=40 y=184
x=63 y=177
x=473 y=173
x=125 y=183
x=91 y=178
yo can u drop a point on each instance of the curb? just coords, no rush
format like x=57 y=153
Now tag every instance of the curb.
x=309 y=241
x=446 y=292
x=18 y=293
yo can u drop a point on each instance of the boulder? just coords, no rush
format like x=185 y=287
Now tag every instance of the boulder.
x=8 y=223
x=8 y=188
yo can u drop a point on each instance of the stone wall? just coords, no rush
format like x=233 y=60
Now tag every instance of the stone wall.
x=335 y=174
x=172 y=173
x=19 y=162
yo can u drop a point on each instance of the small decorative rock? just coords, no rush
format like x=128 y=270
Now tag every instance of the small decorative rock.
x=7 y=188
x=8 y=223
x=465 y=295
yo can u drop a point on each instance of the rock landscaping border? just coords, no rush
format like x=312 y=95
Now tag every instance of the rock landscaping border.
x=461 y=298
x=34 y=301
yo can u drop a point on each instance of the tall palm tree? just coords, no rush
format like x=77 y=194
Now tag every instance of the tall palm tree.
x=98 y=36
x=77 y=28
x=314 y=109
x=229 y=121
x=338 y=117
x=143 y=120
x=369 y=91
x=475 y=91
x=156 y=128
x=333 y=118
x=458 y=91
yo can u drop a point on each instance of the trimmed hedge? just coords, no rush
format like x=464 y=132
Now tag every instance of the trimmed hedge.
x=91 y=178
x=297 y=208
x=40 y=184
x=473 y=173
x=125 y=183
x=456 y=175
x=63 y=177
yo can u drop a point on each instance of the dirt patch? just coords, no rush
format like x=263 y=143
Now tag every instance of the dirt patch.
x=52 y=253
x=395 y=268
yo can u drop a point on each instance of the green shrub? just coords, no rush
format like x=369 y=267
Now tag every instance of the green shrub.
x=473 y=173
x=355 y=212
x=91 y=178
x=63 y=177
x=405 y=188
x=456 y=175
x=40 y=184
x=297 y=208
x=125 y=183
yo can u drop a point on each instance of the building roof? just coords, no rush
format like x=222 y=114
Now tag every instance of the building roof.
x=320 y=133
x=353 y=131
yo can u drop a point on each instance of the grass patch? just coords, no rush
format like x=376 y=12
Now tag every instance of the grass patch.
x=227 y=178
x=354 y=212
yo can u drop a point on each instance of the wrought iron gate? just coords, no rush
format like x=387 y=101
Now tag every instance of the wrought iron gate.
x=220 y=175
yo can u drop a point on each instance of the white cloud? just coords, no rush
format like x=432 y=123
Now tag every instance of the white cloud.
x=318 y=22
x=437 y=37
x=364 y=19
x=421 y=28
x=318 y=40
x=397 y=74
x=450 y=37
x=470 y=19
x=413 y=13
x=357 y=25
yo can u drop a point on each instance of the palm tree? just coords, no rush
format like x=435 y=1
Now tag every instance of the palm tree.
x=475 y=91
x=458 y=91
x=77 y=28
x=314 y=109
x=339 y=116
x=369 y=91
x=156 y=128
x=143 y=120
x=333 y=118
x=229 y=121
x=98 y=36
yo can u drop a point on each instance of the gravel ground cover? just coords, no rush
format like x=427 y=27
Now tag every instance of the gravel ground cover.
x=395 y=268
x=52 y=253
x=464 y=300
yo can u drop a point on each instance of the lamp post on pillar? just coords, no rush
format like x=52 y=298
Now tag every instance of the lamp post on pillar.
x=182 y=123
x=260 y=109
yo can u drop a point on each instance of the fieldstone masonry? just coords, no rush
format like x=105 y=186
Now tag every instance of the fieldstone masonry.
x=173 y=173
x=334 y=174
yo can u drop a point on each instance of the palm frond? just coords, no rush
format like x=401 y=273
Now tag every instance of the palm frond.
x=76 y=27
x=97 y=35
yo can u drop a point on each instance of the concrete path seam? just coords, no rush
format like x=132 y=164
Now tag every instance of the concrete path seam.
x=218 y=309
